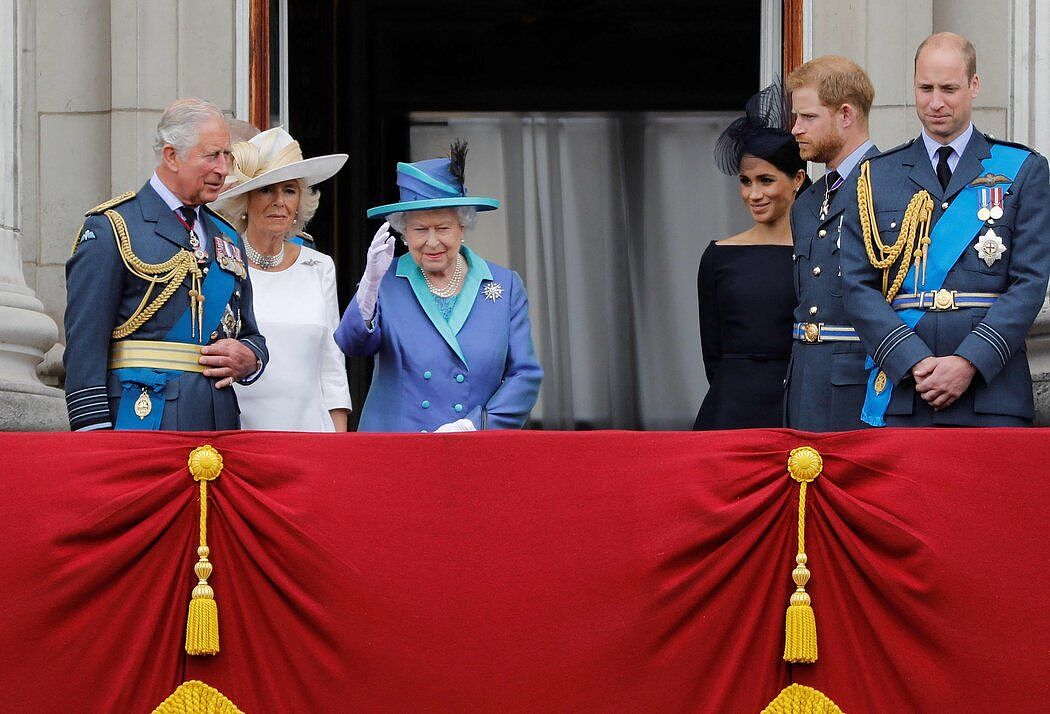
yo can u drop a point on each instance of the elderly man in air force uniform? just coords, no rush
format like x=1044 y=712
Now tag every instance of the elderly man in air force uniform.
x=159 y=318
x=946 y=264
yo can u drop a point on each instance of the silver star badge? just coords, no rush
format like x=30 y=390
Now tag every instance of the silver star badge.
x=990 y=247
x=493 y=291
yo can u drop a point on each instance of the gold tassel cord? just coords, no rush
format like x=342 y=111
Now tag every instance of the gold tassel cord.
x=202 y=622
x=800 y=624
x=913 y=241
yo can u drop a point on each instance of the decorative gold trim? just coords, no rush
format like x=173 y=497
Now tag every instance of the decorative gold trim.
x=196 y=697
x=115 y=201
x=800 y=699
x=155 y=354
x=202 y=622
x=800 y=625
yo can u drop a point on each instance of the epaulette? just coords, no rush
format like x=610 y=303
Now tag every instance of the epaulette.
x=895 y=149
x=106 y=205
x=993 y=140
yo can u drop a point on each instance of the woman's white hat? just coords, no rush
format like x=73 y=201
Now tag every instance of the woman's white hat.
x=273 y=156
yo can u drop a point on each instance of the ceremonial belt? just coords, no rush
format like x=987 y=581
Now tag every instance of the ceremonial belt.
x=942 y=300
x=814 y=332
x=155 y=354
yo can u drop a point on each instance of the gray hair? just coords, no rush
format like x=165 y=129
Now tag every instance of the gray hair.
x=235 y=210
x=467 y=216
x=179 y=126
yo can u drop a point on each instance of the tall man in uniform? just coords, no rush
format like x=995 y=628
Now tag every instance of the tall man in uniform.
x=947 y=262
x=830 y=97
x=159 y=319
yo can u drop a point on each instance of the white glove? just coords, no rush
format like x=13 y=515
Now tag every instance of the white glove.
x=457 y=425
x=380 y=255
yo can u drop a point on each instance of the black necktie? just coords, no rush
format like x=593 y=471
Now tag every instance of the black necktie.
x=831 y=179
x=190 y=214
x=944 y=172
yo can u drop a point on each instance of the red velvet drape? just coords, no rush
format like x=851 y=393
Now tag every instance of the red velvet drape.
x=603 y=571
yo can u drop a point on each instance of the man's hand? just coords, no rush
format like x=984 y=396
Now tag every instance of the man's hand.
x=945 y=382
x=227 y=360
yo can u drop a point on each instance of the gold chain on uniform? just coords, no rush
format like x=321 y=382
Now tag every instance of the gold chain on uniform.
x=171 y=272
x=913 y=241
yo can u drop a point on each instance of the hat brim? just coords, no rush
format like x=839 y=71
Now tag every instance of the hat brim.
x=479 y=202
x=314 y=170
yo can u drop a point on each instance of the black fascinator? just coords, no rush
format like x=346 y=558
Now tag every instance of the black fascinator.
x=762 y=132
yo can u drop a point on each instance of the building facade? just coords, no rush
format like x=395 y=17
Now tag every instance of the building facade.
x=83 y=82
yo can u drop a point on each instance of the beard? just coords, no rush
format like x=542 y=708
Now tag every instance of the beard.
x=824 y=149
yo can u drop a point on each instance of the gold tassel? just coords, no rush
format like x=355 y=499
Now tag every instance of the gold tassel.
x=202 y=622
x=799 y=699
x=800 y=623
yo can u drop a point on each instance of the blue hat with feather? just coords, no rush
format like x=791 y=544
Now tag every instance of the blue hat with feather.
x=434 y=183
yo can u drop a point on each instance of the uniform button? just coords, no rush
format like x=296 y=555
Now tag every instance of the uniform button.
x=237 y=293
x=816 y=270
x=893 y=224
x=204 y=270
x=822 y=233
x=215 y=335
x=458 y=407
x=944 y=206
x=460 y=377
x=428 y=374
x=424 y=431
x=813 y=310
x=425 y=404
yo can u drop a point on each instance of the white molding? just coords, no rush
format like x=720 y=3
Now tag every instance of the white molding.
x=807 y=30
x=282 y=63
x=1020 y=105
x=1039 y=66
x=771 y=43
x=241 y=70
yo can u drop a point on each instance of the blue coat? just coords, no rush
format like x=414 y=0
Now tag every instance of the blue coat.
x=992 y=338
x=101 y=294
x=478 y=365
x=825 y=383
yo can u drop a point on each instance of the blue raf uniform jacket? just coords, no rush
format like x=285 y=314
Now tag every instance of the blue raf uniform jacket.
x=101 y=294
x=825 y=383
x=991 y=338
x=478 y=365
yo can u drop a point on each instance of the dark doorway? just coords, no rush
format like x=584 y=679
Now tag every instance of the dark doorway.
x=358 y=69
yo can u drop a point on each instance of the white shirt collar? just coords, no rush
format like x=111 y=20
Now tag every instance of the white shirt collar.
x=170 y=199
x=958 y=144
x=850 y=162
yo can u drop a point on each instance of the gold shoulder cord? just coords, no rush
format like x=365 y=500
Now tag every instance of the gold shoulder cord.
x=171 y=272
x=912 y=242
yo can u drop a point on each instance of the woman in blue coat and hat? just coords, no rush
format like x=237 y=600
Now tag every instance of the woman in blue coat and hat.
x=449 y=330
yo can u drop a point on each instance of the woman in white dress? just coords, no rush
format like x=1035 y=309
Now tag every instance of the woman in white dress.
x=269 y=200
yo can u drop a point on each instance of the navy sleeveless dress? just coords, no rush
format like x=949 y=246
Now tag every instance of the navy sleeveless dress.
x=747 y=297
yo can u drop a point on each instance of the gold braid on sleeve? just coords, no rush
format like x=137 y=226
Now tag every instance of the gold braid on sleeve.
x=170 y=273
x=913 y=241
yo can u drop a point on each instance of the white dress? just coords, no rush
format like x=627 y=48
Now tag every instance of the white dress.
x=297 y=311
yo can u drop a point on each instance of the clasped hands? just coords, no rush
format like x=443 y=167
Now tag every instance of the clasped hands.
x=942 y=380
x=228 y=360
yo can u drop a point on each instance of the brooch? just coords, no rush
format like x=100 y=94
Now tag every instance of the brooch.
x=311 y=261
x=493 y=291
x=990 y=247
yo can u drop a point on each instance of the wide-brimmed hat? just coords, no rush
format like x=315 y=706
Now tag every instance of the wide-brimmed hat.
x=273 y=156
x=434 y=183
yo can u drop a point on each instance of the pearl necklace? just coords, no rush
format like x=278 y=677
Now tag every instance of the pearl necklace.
x=266 y=262
x=452 y=286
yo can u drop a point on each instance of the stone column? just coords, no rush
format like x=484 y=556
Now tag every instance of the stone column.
x=26 y=332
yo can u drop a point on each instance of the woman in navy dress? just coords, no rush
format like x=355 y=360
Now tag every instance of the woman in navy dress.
x=745 y=287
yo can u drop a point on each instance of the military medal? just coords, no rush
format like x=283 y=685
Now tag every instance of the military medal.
x=990 y=247
x=143 y=405
x=229 y=256
x=984 y=212
x=996 y=210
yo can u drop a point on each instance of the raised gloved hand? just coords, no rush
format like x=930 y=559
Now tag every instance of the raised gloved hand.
x=380 y=254
x=457 y=425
